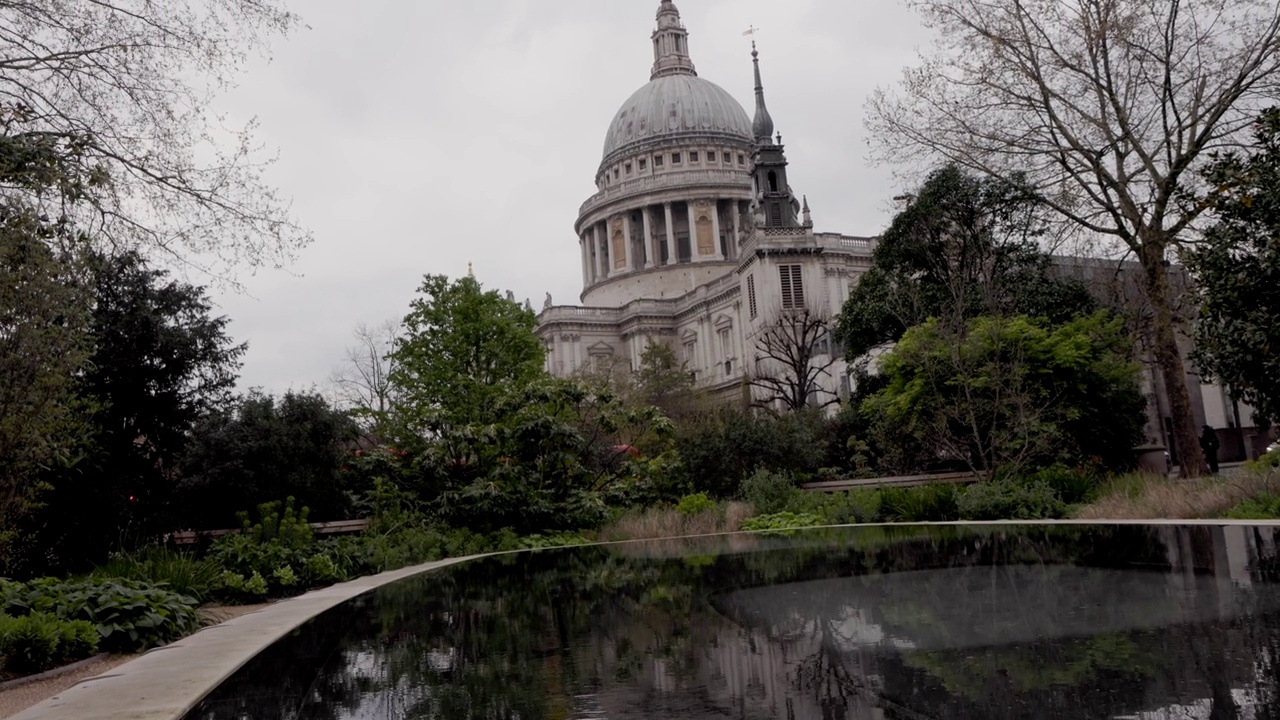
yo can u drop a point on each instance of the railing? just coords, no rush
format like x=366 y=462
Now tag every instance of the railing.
x=572 y=312
x=665 y=181
x=846 y=242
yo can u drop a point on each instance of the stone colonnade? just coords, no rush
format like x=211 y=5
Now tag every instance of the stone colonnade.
x=670 y=233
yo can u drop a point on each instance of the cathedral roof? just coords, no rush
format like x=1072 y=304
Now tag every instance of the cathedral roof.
x=676 y=101
x=673 y=105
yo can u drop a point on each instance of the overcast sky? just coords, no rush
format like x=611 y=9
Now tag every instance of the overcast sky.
x=416 y=137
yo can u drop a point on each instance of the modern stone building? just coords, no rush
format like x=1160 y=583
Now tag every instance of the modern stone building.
x=695 y=239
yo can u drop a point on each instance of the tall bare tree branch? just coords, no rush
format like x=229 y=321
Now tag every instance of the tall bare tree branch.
x=1110 y=106
x=121 y=91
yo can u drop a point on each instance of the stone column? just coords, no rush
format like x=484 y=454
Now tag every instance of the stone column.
x=671 y=235
x=600 y=271
x=608 y=249
x=626 y=242
x=715 y=228
x=737 y=229
x=693 y=233
x=648 y=238
x=586 y=273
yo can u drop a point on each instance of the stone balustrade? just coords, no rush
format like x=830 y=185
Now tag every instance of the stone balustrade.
x=671 y=180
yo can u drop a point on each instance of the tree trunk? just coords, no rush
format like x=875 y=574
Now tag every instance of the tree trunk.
x=1191 y=461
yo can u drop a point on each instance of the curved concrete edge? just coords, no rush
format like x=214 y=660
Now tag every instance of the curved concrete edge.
x=50 y=674
x=166 y=682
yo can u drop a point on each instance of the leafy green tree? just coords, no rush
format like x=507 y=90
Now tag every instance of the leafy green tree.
x=964 y=246
x=267 y=449
x=662 y=379
x=1010 y=393
x=1110 y=107
x=44 y=346
x=161 y=361
x=1237 y=272
x=547 y=460
x=462 y=348
x=720 y=447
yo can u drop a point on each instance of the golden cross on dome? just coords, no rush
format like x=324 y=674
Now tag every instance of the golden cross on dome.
x=752 y=32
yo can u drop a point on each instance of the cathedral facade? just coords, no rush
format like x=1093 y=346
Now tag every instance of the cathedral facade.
x=694 y=237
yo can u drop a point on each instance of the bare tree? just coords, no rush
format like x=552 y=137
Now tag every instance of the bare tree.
x=792 y=356
x=115 y=97
x=361 y=383
x=1110 y=106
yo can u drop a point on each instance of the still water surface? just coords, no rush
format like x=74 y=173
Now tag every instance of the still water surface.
x=1148 y=623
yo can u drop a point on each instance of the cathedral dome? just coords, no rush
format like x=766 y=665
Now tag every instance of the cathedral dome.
x=674 y=105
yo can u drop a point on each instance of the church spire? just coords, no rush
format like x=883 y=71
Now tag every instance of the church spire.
x=762 y=124
x=670 y=44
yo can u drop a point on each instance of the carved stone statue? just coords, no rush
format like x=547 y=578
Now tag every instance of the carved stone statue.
x=511 y=297
x=546 y=304
x=749 y=220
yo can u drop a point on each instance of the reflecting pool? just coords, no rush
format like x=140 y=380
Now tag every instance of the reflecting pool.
x=910 y=622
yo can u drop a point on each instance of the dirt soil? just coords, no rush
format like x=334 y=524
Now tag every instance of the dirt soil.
x=16 y=699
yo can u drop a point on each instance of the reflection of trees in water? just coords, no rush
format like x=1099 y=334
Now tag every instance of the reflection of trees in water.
x=555 y=634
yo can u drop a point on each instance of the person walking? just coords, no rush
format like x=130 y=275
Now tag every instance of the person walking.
x=1209 y=444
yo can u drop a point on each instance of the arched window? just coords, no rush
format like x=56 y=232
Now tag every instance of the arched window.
x=773 y=181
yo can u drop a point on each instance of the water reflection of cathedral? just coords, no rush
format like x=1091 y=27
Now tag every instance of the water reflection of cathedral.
x=1178 y=640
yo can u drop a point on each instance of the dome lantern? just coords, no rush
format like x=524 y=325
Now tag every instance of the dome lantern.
x=670 y=44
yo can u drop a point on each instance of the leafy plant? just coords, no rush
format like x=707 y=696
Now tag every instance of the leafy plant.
x=38 y=641
x=781 y=521
x=927 y=503
x=1261 y=507
x=1073 y=485
x=1269 y=462
x=1010 y=500
x=129 y=615
x=839 y=508
x=695 y=504
x=768 y=491
x=182 y=572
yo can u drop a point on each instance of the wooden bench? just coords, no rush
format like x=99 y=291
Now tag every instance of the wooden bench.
x=336 y=527
x=900 y=481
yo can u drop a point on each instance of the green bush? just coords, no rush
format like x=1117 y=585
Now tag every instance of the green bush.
x=1261 y=507
x=769 y=492
x=279 y=555
x=926 y=503
x=1265 y=463
x=719 y=448
x=1010 y=500
x=1074 y=486
x=129 y=615
x=39 y=641
x=553 y=540
x=839 y=508
x=781 y=521
x=695 y=504
x=182 y=572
